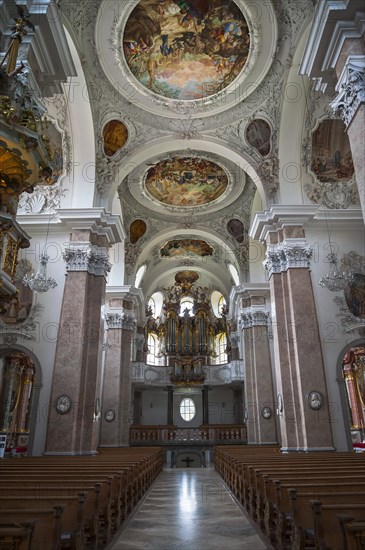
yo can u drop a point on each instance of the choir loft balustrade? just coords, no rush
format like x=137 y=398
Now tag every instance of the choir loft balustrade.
x=214 y=375
x=172 y=435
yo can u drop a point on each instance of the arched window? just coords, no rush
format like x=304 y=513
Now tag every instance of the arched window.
x=186 y=303
x=221 y=348
x=187 y=409
x=234 y=273
x=218 y=302
x=139 y=275
x=152 y=344
x=156 y=303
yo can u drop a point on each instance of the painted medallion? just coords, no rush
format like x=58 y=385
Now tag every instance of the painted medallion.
x=115 y=136
x=186 y=49
x=331 y=152
x=185 y=181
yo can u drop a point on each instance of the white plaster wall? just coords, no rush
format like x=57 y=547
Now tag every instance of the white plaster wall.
x=333 y=336
x=81 y=180
x=221 y=406
x=154 y=407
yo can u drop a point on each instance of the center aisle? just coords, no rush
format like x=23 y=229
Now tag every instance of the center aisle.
x=189 y=509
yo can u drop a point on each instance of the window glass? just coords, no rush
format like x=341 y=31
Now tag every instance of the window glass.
x=187 y=409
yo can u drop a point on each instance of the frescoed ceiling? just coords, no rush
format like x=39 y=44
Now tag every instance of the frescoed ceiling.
x=187 y=96
x=186 y=49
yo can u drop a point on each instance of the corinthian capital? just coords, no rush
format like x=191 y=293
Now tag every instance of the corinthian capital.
x=350 y=88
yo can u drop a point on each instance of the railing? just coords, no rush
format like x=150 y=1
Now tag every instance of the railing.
x=211 y=434
x=153 y=375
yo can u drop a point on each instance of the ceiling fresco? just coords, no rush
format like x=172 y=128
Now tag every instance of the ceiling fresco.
x=186 y=247
x=185 y=181
x=186 y=49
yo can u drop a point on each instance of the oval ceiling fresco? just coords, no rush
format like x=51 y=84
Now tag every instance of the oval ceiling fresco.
x=186 y=181
x=186 y=49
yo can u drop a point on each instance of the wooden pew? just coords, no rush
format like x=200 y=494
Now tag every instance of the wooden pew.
x=327 y=526
x=16 y=536
x=46 y=533
x=72 y=521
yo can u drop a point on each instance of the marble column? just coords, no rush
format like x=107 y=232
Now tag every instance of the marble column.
x=77 y=368
x=205 y=399
x=137 y=407
x=259 y=395
x=10 y=390
x=117 y=387
x=299 y=365
x=350 y=104
x=170 y=405
x=238 y=406
x=24 y=399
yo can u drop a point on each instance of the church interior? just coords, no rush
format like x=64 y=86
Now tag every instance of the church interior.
x=182 y=290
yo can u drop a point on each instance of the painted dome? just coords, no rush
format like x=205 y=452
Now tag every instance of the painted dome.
x=186 y=49
x=186 y=181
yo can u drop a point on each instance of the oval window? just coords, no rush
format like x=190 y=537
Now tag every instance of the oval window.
x=187 y=409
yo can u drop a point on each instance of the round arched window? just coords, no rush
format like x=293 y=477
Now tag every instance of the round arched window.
x=187 y=409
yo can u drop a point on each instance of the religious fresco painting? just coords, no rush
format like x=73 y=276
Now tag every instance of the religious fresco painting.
x=186 y=278
x=186 y=247
x=355 y=296
x=186 y=49
x=115 y=135
x=236 y=228
x=331 y=153
x=137 y=230
x=185 y=181
x=258 y=135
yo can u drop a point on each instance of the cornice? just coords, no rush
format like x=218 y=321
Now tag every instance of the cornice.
x=279 y=216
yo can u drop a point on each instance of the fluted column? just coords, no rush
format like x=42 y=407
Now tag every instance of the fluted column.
x=259 y=396
x=299 y=365
x=76 y=380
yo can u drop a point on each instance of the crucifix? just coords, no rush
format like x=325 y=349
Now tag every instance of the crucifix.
x=188 y=460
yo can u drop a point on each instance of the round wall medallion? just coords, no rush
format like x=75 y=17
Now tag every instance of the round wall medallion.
x=63 y=404
x=266 y=412
x=109 y=415
x=315 y=400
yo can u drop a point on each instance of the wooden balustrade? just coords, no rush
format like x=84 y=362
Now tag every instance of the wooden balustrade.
x=209 y=433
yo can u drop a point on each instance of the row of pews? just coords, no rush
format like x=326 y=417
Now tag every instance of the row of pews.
x=300 y=501
x=72 y=502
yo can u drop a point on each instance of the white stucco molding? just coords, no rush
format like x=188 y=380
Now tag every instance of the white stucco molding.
x=279 y=216
x=334 y=21
x=130 y=293
x=246 y=291
x=97 y=220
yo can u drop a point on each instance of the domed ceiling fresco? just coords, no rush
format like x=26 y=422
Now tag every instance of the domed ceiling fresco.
x=186 y=181
x=186 y=49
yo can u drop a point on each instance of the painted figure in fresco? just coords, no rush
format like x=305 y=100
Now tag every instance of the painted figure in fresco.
x=186 y=49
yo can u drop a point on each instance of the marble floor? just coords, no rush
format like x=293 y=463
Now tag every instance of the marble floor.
x=188 y=509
